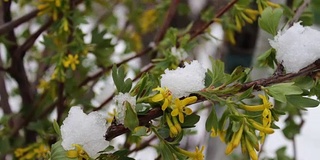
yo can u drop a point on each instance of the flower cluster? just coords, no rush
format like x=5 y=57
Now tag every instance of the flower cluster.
x=33 y=151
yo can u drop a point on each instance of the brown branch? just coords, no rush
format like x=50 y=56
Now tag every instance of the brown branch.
x=4 y=102
x=144 y=120
x=9 y=26
x=30 y=41
x=220 y=13
x=143 y=145
x=170 y=14
x=299 y=12
x=116 y=130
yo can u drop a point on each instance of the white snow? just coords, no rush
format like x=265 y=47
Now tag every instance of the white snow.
x=297 y=47
x=121 y=108
x=183 y=81
x=179 y=53
x=85 y=130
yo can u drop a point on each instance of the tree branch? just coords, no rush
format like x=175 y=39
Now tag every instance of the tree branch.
x=299 y=12
x=116 y=130
x=9 y=26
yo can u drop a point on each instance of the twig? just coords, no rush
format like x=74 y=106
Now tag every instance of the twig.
x=9 y=26
x=4 y=102
x=170 y=14
x=116 y=130
x=30 y=41
x=218 y=15
x=299 y=12
x=143 y=145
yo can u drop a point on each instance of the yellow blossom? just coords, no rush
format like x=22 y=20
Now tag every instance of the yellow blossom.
x=163 y=95
x=266 y=115
x=179 y=107
x=33 y=151
x=147 y=20
x=197 y=155
x=173 y=130
x=78 y=152
x=71 y=61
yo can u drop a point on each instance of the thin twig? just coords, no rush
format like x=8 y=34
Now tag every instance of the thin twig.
x=143 y=145
x=299 y=12
x=9 y=26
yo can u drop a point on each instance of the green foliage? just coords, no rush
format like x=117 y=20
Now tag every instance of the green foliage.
x=123 y=85
x=58 y=153
x=131 y=120
x=279 y=91
x=212 y=121
x=269 y=20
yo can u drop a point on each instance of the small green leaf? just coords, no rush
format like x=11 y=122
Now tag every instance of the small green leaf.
x=279 y=91
x=190 y=120
x=140 y=131
x=118 y=75
x=270 y=19
x=58 y=153
x=302 y=101
x=245 y=94
x=131 y=120
x=217 y=72
x=212 y=121
x=56 y=127
x=165 y=151
x=237 y=74
x=267 y=58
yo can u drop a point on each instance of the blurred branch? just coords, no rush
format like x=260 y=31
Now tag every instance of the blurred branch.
x=9 y=26
x=143 y=145
x=4 y=97
x=299 y=12
x=115 y=130
x=220 y=13
x=166 y=24
x=30 y=41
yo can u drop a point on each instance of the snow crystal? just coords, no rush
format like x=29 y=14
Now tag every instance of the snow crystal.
x=85 y=130
x=297 y=47
x=183 y=81
x=180 y=53
x=121 y=108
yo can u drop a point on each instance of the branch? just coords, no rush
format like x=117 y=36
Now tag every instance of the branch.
x=30 y=41
x=299 y=12
x=221 y=12
x=9 y=26
x=170 y=14
x=4 y=102
x=116 y=130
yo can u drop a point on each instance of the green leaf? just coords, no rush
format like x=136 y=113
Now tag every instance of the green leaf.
x=56 y=127
x=237 y=74
x=281 y=154
x=217 y=72
x=140 y=131
x=190 y=120
x=212 y=121
x=165 y=151
x=302 y=101
x=245 y=94
x=118 y=76
x=269 y=20
x=131 y=120
x=267 y=58
x=279 y=91
x=58 y=153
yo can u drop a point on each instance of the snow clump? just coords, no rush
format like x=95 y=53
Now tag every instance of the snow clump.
x=85 y=130
x=121 y=108
x=297 y=47
x=183 y=81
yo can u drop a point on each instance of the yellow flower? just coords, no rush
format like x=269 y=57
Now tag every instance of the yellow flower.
x=71 y=61
x=173 y=130
x=197 y=155
x=266 y=115
x=164 y=95
x=262 y=4
x=179 y=107
x=78 y=152
x=147 y=20
x=33 y=151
